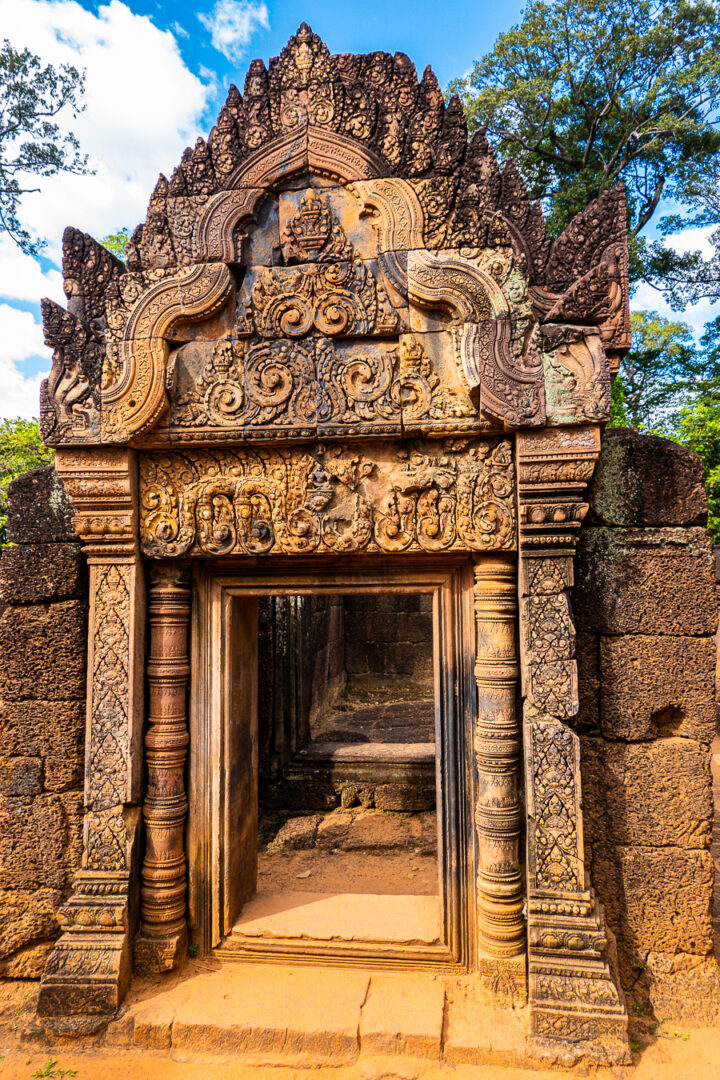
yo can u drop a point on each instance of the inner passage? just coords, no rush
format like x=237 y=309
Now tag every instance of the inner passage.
x=347 y=826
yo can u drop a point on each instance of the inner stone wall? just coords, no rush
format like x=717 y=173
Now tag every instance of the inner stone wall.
x=43 y=648
x=388 y=639
x=646 y=610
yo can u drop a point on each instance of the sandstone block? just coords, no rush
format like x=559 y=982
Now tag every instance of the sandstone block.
x=639 y=581
x=26 y=963
x=645 y=480
x=41 y=573
x=51 y=730
x=26 y=917
x=42 y=659
x=653 y=686
x=39 y=510
x=403 y=1015
x=684 y=987
x=40 y=840
x=655 y=794
x=655 y=900
x=587 y=654
x=21 y=776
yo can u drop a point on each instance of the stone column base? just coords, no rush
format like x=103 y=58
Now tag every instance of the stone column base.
x=155 y=955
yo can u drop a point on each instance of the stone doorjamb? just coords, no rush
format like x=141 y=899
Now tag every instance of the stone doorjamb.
x=573 y=990
x=88 y=971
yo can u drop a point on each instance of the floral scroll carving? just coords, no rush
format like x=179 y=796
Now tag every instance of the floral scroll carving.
x=274 y=501
x=134 y=393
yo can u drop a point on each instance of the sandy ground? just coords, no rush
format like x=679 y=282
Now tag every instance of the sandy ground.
x=320 y=871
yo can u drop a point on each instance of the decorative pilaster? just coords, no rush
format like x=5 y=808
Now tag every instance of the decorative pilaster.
x=574 y=992
x=87 y=973
x=162 y=942
x=501 y=925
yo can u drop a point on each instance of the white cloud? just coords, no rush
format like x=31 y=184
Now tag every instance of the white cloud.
x=646 y=298
x=697 y=239
x=143 y=107
x=232 y=23
x=22 y=278
x=20 y=339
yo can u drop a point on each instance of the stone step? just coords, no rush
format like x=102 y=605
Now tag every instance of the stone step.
x=352 y=830
x=306 y=1016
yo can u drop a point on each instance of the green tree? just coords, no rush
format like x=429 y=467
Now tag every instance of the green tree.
x=32 y=94
x=657 y=374
x=585 y=93
x=21 y=448
x=115 y=243
x=698 y=428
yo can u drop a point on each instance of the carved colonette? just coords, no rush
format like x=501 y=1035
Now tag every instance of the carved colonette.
x=162 y=941
x=501 y=923
x=336 y=315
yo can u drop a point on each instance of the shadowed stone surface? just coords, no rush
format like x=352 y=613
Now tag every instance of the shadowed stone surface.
x=43 y=636
x=643 y=480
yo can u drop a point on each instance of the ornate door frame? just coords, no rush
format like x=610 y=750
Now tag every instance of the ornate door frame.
x=221 y=710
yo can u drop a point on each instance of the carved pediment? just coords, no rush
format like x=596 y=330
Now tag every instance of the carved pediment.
x=337 y=260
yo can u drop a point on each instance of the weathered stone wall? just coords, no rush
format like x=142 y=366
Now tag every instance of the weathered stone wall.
x=646 y=612
x=43 y=646
x=388 y=637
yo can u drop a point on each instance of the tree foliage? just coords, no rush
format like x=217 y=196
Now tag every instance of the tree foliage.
x=21 y=448
x=658 y=373
x=585 y=93
x=32 y=144
x=115 y=242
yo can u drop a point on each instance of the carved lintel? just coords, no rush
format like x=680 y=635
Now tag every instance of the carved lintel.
x=162 y=942
x=574 y=991
x=501 y=926
x=328 y=499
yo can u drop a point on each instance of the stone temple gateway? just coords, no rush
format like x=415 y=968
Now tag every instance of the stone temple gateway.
x=343 y=355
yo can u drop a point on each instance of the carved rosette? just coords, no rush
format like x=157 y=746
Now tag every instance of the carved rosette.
x=88 y=971
x=574 y=991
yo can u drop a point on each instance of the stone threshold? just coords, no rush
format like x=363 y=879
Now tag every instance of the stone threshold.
x=320 y=916
x=310 y=1016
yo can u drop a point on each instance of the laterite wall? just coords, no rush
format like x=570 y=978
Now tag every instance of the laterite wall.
x=43 y=646
x=646 y=613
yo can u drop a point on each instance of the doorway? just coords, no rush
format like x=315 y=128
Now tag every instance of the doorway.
x=331 y=720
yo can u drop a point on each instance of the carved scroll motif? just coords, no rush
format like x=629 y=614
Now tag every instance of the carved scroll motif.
x=572 y=990
x=256 y=389
x=134 y=397
x=330 y=500
x=499 y=346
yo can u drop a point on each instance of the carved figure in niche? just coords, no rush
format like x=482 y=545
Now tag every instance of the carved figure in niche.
x=333 y=292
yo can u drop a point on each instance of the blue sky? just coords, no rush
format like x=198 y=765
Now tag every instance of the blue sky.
x=157 y=74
